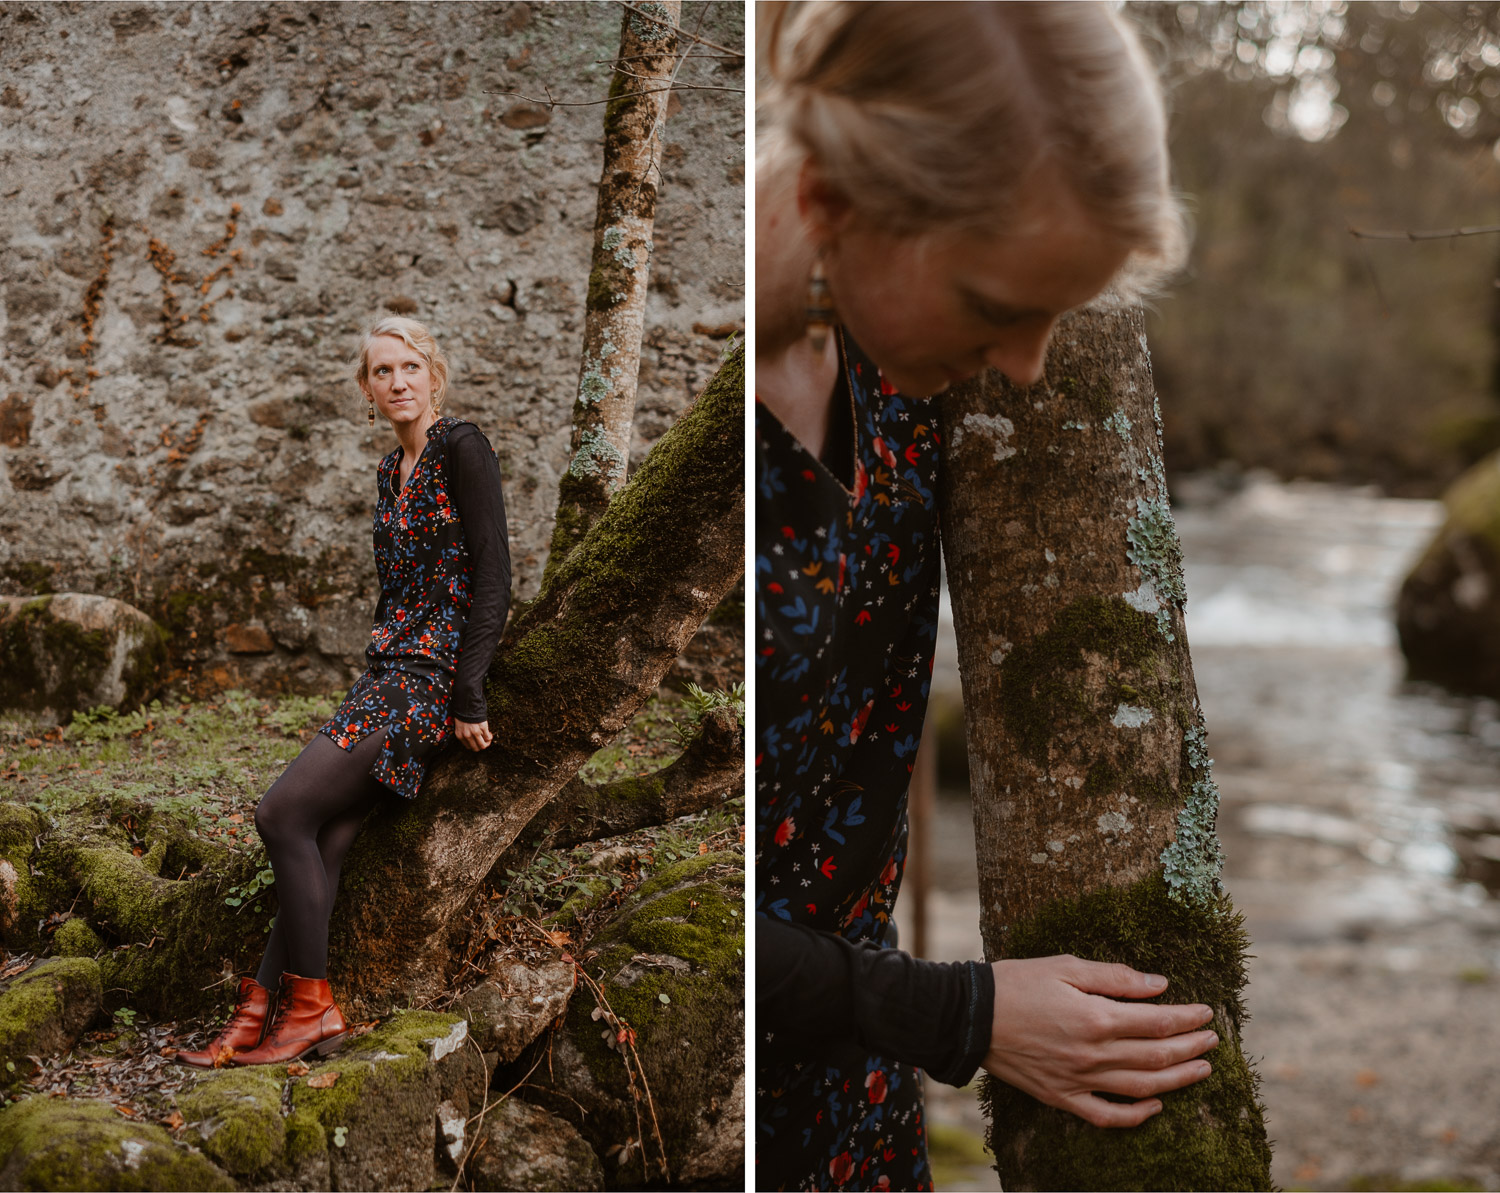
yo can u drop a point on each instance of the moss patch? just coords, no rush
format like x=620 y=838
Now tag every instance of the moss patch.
x=234 y=1115
x=1044 y=682
x=50 y=1143
x=1208 y=1136
x=44 y=1010
x=76 y=939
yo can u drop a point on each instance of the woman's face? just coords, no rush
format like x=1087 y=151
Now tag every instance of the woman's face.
x=936 y=310
x=399 y=381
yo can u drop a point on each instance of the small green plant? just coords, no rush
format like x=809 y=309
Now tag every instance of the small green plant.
x=699 y=703
x=126 y=1018
x=261 y=880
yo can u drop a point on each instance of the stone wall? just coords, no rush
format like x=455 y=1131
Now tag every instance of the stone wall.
x=205 y=203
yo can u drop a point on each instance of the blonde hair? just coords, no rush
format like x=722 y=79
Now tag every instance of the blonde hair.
x=931 y=115
x=416 y=337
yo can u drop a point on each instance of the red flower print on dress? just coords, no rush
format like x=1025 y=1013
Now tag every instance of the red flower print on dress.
x=875 y=1087
x=785 y=831
x=859 y=722
x=841 y=1168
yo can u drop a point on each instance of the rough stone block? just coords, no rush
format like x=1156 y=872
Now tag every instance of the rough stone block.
x=526 y=1148
x=515 y=1004
x=70 y=651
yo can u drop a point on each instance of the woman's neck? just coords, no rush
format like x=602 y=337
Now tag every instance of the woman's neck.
x=412 y=436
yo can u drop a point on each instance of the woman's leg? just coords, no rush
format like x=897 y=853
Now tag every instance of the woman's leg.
x=308 y=820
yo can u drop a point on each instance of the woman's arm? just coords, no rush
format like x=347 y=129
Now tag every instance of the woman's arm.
x=481 y=508
x=815 y=991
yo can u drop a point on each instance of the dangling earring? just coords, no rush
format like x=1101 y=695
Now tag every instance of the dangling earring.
x=820 y=313
x=372 y=414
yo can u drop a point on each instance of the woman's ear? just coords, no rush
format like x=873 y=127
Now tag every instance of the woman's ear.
x=826 y=211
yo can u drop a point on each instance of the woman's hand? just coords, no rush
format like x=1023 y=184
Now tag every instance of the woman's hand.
x=1060 y=1036
x=473 y=736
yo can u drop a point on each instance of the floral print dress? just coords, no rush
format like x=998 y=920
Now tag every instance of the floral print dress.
x=846 y=622
x=426 y=595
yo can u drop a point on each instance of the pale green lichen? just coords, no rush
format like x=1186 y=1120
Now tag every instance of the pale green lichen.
x=648 y=30
x=1193 y=862
x=1119 y=423
x=614 y=242
x=596 y=380
x=1154 y=548
x=596 y=456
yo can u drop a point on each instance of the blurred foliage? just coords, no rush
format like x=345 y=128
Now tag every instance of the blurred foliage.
x=1289 y=343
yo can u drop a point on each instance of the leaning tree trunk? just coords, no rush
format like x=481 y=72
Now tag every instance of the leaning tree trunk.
x=576 y=665
x=1094 y=803
x=615 y=313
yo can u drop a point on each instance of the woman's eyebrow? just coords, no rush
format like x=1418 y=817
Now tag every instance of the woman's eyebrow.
x=994 y=308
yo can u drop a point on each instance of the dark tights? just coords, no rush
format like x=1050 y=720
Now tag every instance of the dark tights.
x=308 y=820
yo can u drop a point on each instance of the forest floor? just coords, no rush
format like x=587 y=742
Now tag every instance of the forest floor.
x=217 y=757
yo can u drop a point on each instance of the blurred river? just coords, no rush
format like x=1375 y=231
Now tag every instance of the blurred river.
x=1361 y=825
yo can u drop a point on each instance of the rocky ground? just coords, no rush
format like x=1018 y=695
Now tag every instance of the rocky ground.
x=567 y=946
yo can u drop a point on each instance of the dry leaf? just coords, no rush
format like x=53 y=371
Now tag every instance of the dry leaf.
x=169 y=1053
x=298 y=1069
x=322 y=1081
x=225 y=1058
x=127 y=1111
x=173 y=1120
x=702 y=848
x=558 y=938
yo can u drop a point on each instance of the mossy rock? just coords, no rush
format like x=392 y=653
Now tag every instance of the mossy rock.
x=234 y=1116
x=377 y=1123
x=76 y=939
x=1448 y=610
x=671 y=965
x=45 y=1010
x=514 y=1005
x=64 y=1143
x=529 y=1150
x=20 y=903
x=66 y=652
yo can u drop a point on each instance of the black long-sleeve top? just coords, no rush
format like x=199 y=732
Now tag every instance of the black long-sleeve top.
x=480 y=504
x=819 y=994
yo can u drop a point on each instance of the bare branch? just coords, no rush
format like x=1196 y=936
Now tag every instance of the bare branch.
x=702 y=41
x=1409 y=234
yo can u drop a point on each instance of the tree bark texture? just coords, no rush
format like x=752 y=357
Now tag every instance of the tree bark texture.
x=615 y=313
x=577 y=664
x=1094 y=801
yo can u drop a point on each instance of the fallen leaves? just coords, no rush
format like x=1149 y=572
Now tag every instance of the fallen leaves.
x=322 y=1081
x=224 y=1058
x=173 y=1121
x=298 y=1069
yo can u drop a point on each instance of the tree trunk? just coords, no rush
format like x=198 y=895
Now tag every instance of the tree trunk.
x=616 y=307
x=578 y=663
x=1094 y=802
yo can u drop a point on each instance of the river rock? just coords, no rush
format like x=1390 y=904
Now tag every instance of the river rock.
x=525 y=1148
x=44 y=1011
x=515 y=1003
x=81 y=1143
x=1448 y=610
x=69 y=651
x=672 y=965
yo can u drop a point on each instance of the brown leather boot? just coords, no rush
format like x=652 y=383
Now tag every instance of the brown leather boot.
x=245 y=1029
x=306 y=1020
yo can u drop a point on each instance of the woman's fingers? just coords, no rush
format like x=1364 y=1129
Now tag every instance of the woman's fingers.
x=1096 y=1110
x=1111 y=979
x=473 y=736
x=1133 y=1020
x=1156 y=1055
x=1140 y=1083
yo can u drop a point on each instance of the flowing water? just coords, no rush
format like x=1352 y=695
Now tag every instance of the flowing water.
x=1361 y=827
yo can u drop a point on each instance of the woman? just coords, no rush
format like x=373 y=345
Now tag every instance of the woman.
x=937 y=184
x=444 y=567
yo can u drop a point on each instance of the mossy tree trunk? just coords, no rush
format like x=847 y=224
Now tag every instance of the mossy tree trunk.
x=1094 y=802
x=615 y=314
x=576 y=665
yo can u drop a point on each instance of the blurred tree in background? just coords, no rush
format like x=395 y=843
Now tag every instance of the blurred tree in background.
x=1289 y=343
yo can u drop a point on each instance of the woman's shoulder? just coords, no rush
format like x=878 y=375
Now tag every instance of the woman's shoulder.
x=455 y=430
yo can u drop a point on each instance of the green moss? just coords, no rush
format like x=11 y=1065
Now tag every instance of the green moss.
x=53 y=1143
x=234 y=1115
x=76 y=939
x=45 y=1009
x=28 y=576
x=1044 y=682
x=306 y=1138
x=1208 y=1136
x=19 y=827
x=1098 y=399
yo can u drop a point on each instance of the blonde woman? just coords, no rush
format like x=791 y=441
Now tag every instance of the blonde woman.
x=937 y=184
x=444 y=568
